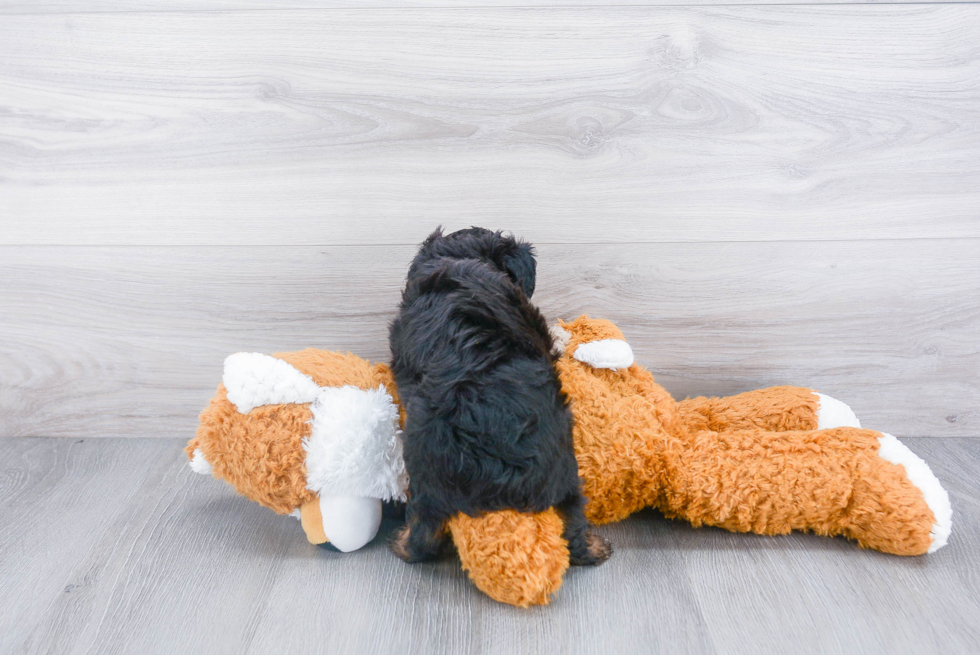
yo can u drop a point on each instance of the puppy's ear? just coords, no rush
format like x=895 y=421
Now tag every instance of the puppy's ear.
x=427 y=250
x=431 y=239
x=521 y=266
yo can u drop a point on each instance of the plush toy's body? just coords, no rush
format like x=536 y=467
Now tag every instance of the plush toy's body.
x=767 y=461
x=755 y=462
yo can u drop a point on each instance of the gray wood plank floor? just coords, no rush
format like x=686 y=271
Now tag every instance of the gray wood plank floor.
x=605 y=124
x=114 y=546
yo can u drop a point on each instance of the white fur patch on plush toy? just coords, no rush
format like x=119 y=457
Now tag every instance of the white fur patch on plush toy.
x=355 y=448
x=835 y=414
x=919 y=474
x=605 y=353
x=254 y=379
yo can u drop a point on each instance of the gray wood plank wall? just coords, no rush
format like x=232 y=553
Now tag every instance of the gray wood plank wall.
x=757 y=195
x=567 y=125
x=89 y=6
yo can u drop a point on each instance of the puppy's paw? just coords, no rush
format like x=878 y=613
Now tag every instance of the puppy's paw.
x=399 y=543
x=598 y=551
x=414 y=549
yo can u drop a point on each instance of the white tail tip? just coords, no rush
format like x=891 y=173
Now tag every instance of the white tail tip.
x=921 y=476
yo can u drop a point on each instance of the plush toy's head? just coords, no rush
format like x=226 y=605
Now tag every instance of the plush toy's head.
x=314 y=434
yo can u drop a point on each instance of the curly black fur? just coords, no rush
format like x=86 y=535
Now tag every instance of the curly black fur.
x=487 y=425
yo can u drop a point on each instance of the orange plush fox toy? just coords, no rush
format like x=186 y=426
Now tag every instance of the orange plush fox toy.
x=316 y=434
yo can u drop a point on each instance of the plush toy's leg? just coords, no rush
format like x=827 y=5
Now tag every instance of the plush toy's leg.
x=842 y=481
x=774 y=409
x=511 y=556
x=585 y=547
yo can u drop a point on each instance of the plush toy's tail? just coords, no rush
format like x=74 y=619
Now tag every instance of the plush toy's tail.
x=920 y=476
x=514 y=558
x=841 y=481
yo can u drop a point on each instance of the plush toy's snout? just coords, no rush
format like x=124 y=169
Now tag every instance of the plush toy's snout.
x=347 y=522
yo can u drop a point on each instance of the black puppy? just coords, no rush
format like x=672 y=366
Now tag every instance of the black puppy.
x=487 y=425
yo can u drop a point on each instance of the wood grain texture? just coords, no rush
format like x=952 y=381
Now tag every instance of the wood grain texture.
x=129 y=341
x=567 y=125
x=852 y=603
x=92 y=6
x=114 y=546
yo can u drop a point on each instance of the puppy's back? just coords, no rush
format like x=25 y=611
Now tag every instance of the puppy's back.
x=472 y=360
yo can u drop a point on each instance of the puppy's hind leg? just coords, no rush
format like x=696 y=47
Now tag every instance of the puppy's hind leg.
x=585 y=547
x=424 y=537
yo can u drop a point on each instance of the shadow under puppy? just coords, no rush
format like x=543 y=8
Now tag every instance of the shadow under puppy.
x=487 y=426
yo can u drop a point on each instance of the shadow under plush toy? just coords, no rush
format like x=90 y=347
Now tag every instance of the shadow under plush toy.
x=317 y=434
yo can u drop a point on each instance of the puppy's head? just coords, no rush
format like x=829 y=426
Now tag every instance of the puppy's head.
x=512 y=256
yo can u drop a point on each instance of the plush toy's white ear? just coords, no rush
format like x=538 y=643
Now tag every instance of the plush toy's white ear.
x=605 y=353
x=254 y=379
